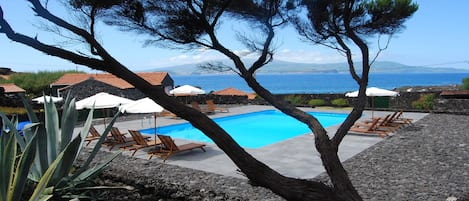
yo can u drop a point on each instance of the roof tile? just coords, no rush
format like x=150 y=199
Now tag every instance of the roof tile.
x=155 y=78
x=12 y=88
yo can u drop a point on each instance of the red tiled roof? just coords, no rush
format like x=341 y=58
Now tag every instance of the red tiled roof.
x=12 y=88
x=234 y=92
x=155 y=78
x=464 y=94
x=455 y=92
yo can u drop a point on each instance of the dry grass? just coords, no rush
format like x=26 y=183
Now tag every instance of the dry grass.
x=12 y=110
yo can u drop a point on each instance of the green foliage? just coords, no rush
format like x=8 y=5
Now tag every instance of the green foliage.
x=328 y=18
x=425 y=102
x=12 y=110
x=295 y=99
x=14 y=167
x=340 y=102
x=35 y=83
x=465 y=84
x=59 y=142
x=316 y=102
x=48 y=154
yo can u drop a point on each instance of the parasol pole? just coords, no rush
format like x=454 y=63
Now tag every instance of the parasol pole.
x=154 y=117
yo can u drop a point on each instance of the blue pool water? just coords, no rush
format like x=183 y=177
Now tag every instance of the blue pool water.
x=252 y=130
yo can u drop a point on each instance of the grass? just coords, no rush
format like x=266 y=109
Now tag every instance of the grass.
x=12 y=110
x=333 y=108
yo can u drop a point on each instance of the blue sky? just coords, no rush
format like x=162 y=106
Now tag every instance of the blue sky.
x=436 y=36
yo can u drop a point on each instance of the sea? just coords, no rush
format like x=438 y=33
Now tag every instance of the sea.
x=319 y=83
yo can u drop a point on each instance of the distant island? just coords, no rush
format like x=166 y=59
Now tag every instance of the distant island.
x=292 y=67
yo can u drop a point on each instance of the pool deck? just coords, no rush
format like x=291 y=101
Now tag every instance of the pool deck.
x=299 y=151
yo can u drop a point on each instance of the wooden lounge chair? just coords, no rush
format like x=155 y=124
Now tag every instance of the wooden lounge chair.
x=92 y=135
x=400 y=119
x=166 y=113
x=196 y=106
x=170 y=148
x=141 y=142
x=212 y=107
x=386 y=123
x=369 y=128
x=118 y=138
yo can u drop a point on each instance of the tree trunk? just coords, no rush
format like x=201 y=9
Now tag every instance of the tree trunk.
x=342 y=185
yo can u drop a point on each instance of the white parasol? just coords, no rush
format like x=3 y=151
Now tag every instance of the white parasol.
x=186 y=90
x=54 y=99
x=101 y=100
x=144 y=105
x=372 y=92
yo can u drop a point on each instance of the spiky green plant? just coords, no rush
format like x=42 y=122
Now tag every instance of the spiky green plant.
x=56 y=149
x=14 y=167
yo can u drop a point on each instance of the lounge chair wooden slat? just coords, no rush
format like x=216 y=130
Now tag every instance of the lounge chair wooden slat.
x=196 y=106
x=141 y=142
x=212 y=107
x=170 y=148
x=118 y=138
x=371 y=128
x=93 y=134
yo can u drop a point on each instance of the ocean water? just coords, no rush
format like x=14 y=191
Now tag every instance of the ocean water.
x=319 y=82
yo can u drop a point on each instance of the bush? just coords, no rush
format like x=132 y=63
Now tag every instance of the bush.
x=465 y=83
x=48 y=168
x=316 y=102
x=340 y=102
x=295 y=100
x=35 y=83
x=425 y=102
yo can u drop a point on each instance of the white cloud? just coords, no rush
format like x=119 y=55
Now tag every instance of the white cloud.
x=309 y=56
x=205 y=55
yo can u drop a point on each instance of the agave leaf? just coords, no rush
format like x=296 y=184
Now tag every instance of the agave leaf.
x=10 y=125
x=70 y=154
x=87 y=124
x=97 y=147
x=29 y=130
x=41 y=186
x=31 y=114
x=7 y=161
x=22 y=169
x=92 y=172
x=69 y=119
x=52 y=130
x=42 y=149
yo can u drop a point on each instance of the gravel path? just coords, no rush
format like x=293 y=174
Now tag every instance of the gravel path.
x=426 y=161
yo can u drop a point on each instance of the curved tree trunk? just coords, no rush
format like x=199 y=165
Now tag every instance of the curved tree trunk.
x=256 y=171
x=328 y=151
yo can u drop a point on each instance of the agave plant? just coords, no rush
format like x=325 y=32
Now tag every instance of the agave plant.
x=50 y=151
x=14 y=167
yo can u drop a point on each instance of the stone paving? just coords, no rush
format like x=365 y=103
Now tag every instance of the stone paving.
x=299 y=151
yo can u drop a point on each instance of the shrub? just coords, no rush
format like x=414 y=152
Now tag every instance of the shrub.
x=295 y=100
x=340 y=102
x=465 y=83
x=50 y=166
x=316 y=102
x=425 y=102
x=36 y=83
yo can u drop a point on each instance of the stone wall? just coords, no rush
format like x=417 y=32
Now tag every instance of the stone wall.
x=456 y=106
x=91 y=87
x=217 y=99
x=401 y=102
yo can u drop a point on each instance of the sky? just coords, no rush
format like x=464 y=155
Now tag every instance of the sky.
x=435 y=36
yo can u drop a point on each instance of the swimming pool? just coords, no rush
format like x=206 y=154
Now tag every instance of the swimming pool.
x=252 y=130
